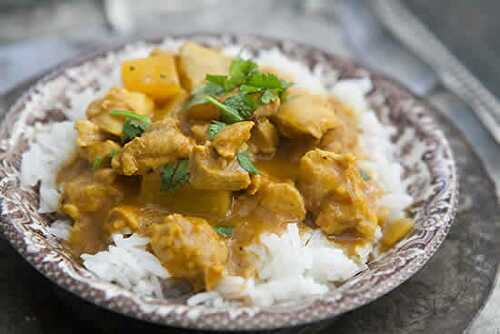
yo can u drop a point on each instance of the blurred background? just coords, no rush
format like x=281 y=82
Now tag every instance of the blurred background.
x=35 y=35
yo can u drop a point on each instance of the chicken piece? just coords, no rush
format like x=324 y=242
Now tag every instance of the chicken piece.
x=99 y=111
x=336 y=192
x=104 y=150
x=228 y=141
x=190 y=249
x=88 y=133
x=209 y=172
x=87 y=193
x=338 y=216
x=344 y=137
x=196 y=61
x=200 y=132
x=265 y=138
x=305 y=114
x=163 y=142
x=267 y=110
x=155 y=75
x=133 y=219
x=282 y=199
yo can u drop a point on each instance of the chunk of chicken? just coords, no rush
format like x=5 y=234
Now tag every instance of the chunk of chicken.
x=196 y=61
x=305 y=114
x=163 y=142
x=88 y=193
x=99 y=111
x=88 y=133
x=190 y=249
x=228 y=141
x=336 y=192
x=344 y=137
x=265 y=138
x=132 y=218
x=200 y=132
x=282 y=199
x=104 y=150
x=210 y=172
x=267 y=110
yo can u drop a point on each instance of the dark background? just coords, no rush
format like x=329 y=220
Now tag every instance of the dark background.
x=31 y=304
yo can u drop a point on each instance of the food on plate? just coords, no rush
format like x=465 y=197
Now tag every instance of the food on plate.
x=244 y=176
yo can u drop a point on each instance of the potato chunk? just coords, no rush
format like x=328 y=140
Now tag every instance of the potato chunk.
x=305 y=114
x=209 y=172
x=99 y=111
x=196 y=61
x=190 y=249
x=228 y=141
x=162 y=143
x=209 y=203
x=155 y=76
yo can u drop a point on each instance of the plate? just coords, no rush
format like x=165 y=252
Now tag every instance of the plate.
x=424 y=153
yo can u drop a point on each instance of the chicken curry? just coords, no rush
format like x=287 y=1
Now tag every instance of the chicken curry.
x=203 y=153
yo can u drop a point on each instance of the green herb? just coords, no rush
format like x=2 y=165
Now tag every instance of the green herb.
x=134 y=125
x=246 y=162
x=364 y=175
x=269 y=96
x=239 y=71
x=132 y=129
x=214 y=128
x=218 y=80
x=243 y=104
x=246 y=89
x=225 y=231
x=199 y=96
x=96 y=164
x=131 y=115
x=174 y=175
x=228 y=113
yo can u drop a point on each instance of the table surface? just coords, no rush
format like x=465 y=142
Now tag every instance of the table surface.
x=469 y=28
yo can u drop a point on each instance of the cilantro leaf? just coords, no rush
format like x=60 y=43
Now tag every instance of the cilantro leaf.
x=269 y=96
x=214 y=128
x=96 y=164
x=132 y=129
x=246 y=162
x=131 y=115
x=225 y=231
x=228 y=113
x=174 y=175
x=246 y=89
x=239 y=71
x=198 y=96
x=265 y=81
x=219 y=80
x=243 y=104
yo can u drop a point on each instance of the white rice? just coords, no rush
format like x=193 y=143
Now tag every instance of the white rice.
x=130 y=265
x=290 y=266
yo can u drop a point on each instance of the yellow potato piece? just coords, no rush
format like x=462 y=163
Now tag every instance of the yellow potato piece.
x=396 y=231
x=155 y=76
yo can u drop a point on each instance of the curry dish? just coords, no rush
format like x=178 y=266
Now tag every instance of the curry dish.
x=203 y=153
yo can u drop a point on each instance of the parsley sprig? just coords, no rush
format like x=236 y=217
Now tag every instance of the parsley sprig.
x=246 y=162
x=225 y=231
x=214 y=128
x=134 y=125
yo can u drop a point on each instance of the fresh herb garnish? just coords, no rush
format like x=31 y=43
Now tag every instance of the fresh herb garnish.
x=246 y=163
x=199 y=96
x=214 y=128
x=239 y=71
x=175 y=175
x=243 y=104
x=134 y=125
x=225 y=231
x=228 y=113
x=269 y=96
x=96 y=164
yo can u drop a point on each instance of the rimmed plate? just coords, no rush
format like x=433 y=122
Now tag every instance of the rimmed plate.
x=423 y=150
